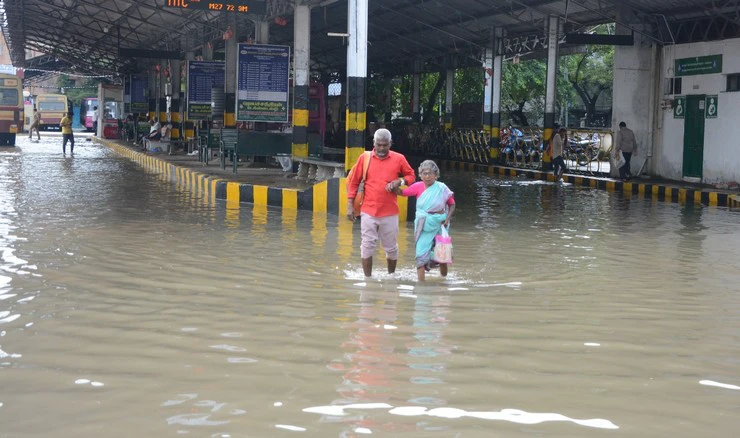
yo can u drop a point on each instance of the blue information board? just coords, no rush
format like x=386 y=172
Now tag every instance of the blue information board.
x=203 y=76
x=262 y=86
x=139 y=102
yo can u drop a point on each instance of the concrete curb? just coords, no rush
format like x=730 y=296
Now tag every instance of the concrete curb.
x=735 y=201
x=656 y=192
x=324 y=197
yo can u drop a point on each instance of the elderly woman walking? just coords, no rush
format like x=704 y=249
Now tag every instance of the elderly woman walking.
x=435 y=204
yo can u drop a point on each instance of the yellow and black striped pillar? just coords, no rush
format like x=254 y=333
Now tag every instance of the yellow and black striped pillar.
x=152 y=108
x=229 y=110
x=162 y=110
x=175 y=114
x=551 y=88
x=302 y=73
x=189 y=128
x=449 y=89
x=300 y=120
x=356 y=120
x=498 y=60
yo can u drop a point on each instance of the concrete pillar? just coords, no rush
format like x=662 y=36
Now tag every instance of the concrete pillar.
x=301 y=74
x=262 y=32
x=388 y=102
x=356 y=119
x=152 y=90
x=551 y=90
x=449 y=89
x=161 y=99
x=188 y=125
x=101 y=107
x=488 y=91
x=633 y=99
x=230 y=81
x=415 y=104
x=175 y=100
x=498 y=65
x=207 y=51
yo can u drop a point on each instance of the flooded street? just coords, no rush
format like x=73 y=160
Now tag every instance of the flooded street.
x=131 y=307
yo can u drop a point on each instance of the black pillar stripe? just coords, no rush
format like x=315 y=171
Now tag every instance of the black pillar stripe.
x=705 y=198
x=246 y=193
x=152 y=105
x=275 y=197
x=689 y=197
x=661 y=193
x=305 y=200
x=722 y=199
x=221 y=190
x=356 y=94
x=175 y=105
x=356 y=139
x=648 y=191
x=601 y=184
x=229 y=102
x=332 y=196
x=300 y=133
x=300 y=97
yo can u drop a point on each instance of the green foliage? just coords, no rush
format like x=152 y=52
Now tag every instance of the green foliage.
x=77 y=94
x=469 y=85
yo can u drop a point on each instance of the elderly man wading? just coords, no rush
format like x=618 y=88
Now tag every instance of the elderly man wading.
x=385 y=172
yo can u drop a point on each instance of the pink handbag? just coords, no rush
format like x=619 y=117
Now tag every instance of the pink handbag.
x=443 y=247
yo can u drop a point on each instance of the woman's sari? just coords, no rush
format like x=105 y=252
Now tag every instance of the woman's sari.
x=431 y=212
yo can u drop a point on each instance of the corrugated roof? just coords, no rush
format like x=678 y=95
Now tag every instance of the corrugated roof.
x=88 y=33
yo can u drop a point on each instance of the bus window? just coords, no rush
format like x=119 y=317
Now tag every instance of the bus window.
x=51 y=106
x=9 y=97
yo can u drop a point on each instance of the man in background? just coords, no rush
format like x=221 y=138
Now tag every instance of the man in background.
x=67 y=135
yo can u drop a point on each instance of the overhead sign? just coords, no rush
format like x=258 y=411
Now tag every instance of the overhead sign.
x=262 y=83
x=679 y=107
x=139 y=92
x=203 y=76
x=711 y=105
x=701 y=65
x=239 y=6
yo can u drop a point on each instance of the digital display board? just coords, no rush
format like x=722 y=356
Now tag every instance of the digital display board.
x=239 y=6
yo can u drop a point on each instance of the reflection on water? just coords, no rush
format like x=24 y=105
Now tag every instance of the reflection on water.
x=129 y=306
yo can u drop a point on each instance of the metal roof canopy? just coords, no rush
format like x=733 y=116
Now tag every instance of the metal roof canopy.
x=86 y=34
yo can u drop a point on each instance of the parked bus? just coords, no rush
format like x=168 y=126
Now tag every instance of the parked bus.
x=87 y=112
x=52 y=107
x=11 y=108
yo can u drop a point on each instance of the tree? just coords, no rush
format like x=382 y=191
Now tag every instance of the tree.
x=589 y=75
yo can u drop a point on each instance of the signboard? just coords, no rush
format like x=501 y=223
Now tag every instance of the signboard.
x=239 y=6
x=262 y=86
x=139 y=93
x=202 y=77
x=679 y=107
x=701 y=65
x=711 y=105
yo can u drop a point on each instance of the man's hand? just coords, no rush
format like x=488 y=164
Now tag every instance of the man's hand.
x=393 y=185
x=351 y=210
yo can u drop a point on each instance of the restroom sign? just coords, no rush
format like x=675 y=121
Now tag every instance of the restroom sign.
x=711 y=107
x=679 y=107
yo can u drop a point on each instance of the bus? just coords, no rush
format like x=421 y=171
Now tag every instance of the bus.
x=87 y=112
x=52 y=107
x=11 y=108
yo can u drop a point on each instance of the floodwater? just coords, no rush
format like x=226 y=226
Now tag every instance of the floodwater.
x=130 y=307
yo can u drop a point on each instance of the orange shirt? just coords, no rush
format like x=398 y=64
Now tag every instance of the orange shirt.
x=377 y=201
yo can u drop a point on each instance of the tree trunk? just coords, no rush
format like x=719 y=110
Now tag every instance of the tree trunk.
x=428 y=117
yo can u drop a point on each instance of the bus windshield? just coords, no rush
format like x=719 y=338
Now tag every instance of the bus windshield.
x=51 y=106
x=8 y=96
